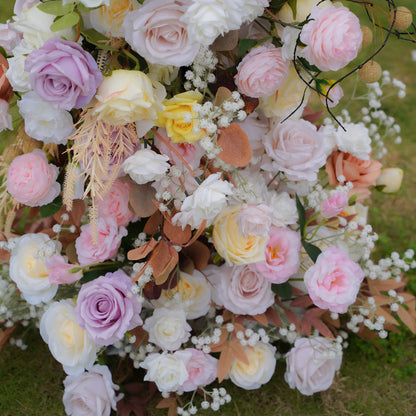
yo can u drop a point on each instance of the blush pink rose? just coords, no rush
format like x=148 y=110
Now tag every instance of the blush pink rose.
x=334 y=280
x=59 y=270
x=262 y=71
x=9 y=38
x=334 y=96
x=202 y=370
x=332 y=38
x=31 y=180
x=255 y=220
x=115 y=203
x=334 y=204
x=109 y=240
x=6 y=121
x=282 y=255
x=296 y=148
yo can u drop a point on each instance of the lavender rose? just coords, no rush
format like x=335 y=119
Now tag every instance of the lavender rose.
x=105 y=309
x=63 y=74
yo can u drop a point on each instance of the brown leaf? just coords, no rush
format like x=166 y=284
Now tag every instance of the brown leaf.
x=311 y=115
x=273 y=317
x=5 y=335
x=239 y=352
x=175 y=233
x=227 y=42
x=236 y=147
x=322 y=328
x=141 y=335
x=389 y=319
x=141 y=199
x=75 y=215
x=407 y=319
x=199 y=253
x=251 y=104
x=261 y=318
x=163 y=259
x=71 y=253
x=198 y=233
x=225 y=361
x=153 y=223
x=165 y=403
x=219 y=345
x=293 y=319
x=301 y=302
x=222 y=95
x=142 y=251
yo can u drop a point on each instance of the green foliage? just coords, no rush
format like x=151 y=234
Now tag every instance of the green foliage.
x=56 y=8
x=65 y=22
x=283 y=290
x=52 y=208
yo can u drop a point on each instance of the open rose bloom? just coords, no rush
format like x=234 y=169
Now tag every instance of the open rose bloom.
x=176 y=211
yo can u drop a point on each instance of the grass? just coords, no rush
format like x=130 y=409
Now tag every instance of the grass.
x=370 y=383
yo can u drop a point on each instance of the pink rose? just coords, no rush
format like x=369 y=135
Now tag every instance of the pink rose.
x=255 y=220
x=241 y=289
x=6 y=121
x=296 y=148
x=157 y=32
x=109 y=240
x=31 y=180
x=59 y=270
x=334 y=280
x=311 y=365
x=262 y=71
x=9 y=38
x=115 y=203
x=202 y=370
x=282 y=255
x=334 y=204
x=332 y=38
x=335 y=94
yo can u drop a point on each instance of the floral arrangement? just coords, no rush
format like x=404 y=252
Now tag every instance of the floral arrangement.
x=174 y=210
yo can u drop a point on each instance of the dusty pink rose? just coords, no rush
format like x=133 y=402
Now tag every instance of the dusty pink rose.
x=202 y=370
x=334 y=280
x=115 y=203
x=31 y=180
x=6 y=121
x=255 y=220
x=334 y=204
x=157 y=32
x=109 y=240
x=335 y=94
x=59 y=270
x=295 y=148
x=262 y=71
x=332 y=38
x=282 y=255
x=9 y=38
x=311 y=365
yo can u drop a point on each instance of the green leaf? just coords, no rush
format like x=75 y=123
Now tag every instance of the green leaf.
x=293 y=5
x=56 y=8
x=276 y=5
x=97 y=39
x=52 y=208
x=307 y=65
x=352 y=199
x=244 y=45
x=313 y=251
x=302 y=216
x=284 y=290
x=321 y=85
x=98 y=271
x=65 y=22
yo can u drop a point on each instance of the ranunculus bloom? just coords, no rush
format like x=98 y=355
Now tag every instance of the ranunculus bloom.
x=6 y=91
x=258 y=371
x=332 y=37
x=105 y=308
x=282 y=255
x=31 y=180
x=311 y=365
x=362 y=173
x=90 y=393
x=262 y=71
x=109 y=240
x=59 y=270
x=68 y=342
x=240 y=289
x=334 y=204
x=231 y=243
x=334 y=280
x=296 y=148
x=63 y=74
x=157 y=32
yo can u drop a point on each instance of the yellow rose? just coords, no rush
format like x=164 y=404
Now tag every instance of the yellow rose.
x=231 y=243
x=303 y=8
x=128 y=96
x=172 y=118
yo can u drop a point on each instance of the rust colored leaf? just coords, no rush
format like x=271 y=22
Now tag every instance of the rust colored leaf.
x=261 y=318
x=74 y=216
x=142 y=251
x=219 y=345
x=407 y=319
x=71 y=253
x=175 y=233
x=165 y=403
x=163 y=259
x=5 y=335
x=225 y=361
x=153 y=223
x=198 y=233
x=311 y=115
x=389 y=319
x=236 y=147
x=199 y=254
x=141 y=199
x=251 y=104
x=322 y=328
x=141 y=335
x=273 y=317
x=291 y=316
x=302 y=302
x=227 y=42
x=239 y=352
x=222 y=94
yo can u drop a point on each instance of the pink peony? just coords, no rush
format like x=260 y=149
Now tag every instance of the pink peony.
x=115 y=203
x=332 y=38
x=59 y=270
x=262 y=71
x=334 y=204
x=282 y=255
x=31 y=180
x=334 y=280
x=109 y=240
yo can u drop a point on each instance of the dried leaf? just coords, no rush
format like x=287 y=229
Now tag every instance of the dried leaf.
x=222 y=95
x=322 y=328
x=239 y=352
x=291 y=316
x=198 y=233
x=163 y=259
x=74 y=215
x=141 y=199
x=71 y=253
x=225 y=361
x=382 y=312
x=301 y=302
x=219 y=345
x=5 y=335
x=153 y=223
x=165 y=403
x=227 y=42
x=312 y=116
x=407 y=319
x=236 y=147
x=175 y=233
x=142 y=251
x=273 y=317
x=261 y=318
x=199 y=253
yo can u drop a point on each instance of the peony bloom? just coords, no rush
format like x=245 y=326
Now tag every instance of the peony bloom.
x=262 y=71
x=109 y=240
x=311 y=365
x=106 y=309
x=158 y=33
x=90 y=393
x=334 y=280
x=31 y=180
x=63 y=74
x=332 y=37
x=59 y=270
x=334 y=205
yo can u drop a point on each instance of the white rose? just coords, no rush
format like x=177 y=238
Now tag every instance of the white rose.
x=253 y=8
x=209 y=199
x=168 y=371
x=16 y=74
x=311 y=365
x=391 y=178
x=163 y=73
x=260 y=369
x=28 y=270
x=6 y=121
x=283 y=207
x=146 y=166
x=303 y=8
x=68 y=343
x=168 y=328
x=44 y=122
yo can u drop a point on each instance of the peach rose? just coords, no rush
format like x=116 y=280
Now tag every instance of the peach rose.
x=362 y=173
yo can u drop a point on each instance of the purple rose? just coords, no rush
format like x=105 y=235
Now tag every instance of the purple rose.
x=105 y=309
x=63 y=74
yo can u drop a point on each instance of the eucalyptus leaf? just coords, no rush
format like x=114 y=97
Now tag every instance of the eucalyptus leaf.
x=56 y=8
x=51 y=208
x=313 y=251
x=65 y=22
